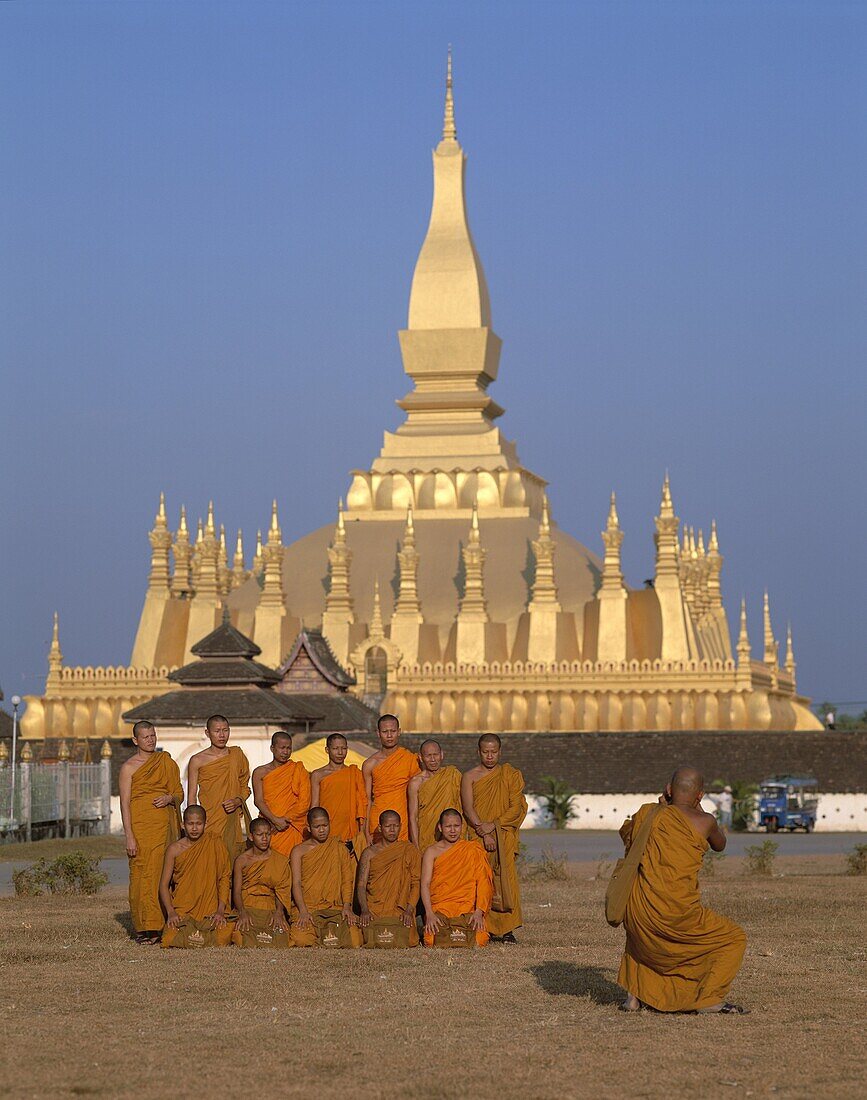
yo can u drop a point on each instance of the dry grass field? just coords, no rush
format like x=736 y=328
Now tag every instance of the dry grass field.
x=85 y=1012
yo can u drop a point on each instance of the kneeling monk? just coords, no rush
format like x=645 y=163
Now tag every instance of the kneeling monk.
x=323 y=874
x=195 y=885
x=679 y=956
x=262 y=892
x=456 y=881
x=388 y=887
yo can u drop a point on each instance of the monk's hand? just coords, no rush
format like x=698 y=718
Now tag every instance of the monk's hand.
x=244 y=921
x=432 y=924
x=173 y=920
x=277 y=921
x=663 y=801
x=408 y=916
x=304 y=919
x=231 y=804
x=131 y=846
x=364 y=918
x=163 y=800
x=477 y=921
x=490 y=842
x=281 y=824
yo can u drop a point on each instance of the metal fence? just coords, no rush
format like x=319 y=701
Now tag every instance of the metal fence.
x=61 y=799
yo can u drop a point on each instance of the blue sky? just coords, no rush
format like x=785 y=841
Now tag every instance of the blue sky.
x=210 y=217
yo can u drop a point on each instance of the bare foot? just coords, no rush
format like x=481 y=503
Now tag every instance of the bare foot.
x=631 y=1004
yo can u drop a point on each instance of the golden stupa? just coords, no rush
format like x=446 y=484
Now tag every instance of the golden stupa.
x=423 y=589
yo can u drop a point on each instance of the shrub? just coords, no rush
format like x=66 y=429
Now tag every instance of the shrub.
x=710 y=862
x=760 y=858
x=549 y=867
x=856 y=860
x=72 y=873
x=557 y=800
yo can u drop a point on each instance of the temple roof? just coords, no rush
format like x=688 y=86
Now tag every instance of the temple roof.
x=319 y=651
x=226 y=641
x=248 y=707
x=219 y=671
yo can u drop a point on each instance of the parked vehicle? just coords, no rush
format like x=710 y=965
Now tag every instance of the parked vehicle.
x=788 y=802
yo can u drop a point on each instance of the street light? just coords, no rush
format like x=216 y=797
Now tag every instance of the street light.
x=16 y=703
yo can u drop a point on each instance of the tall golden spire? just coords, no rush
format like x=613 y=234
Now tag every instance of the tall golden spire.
x=612 y=538
x=258 y=557
x=208 y=559
x=55 y=657
x=272 y=588
x=790 y=665
x=473 y=605
x=666 y=534
x=224 y=579
x=714 y=568
x=407 y=597
x=239 y=573
x=181 y=580
x=743 y=647
x=338 y=601
x=771 y=644
x=544 y=591
x=449 y=131
x=376 y=628
x=161 y=543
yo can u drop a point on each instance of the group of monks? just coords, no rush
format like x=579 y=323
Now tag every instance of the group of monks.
x=404 y=850
x=340 y=857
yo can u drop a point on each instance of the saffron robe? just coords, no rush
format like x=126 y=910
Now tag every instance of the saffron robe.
x=393 y=879
x=227 y=777
x=343 y=795
x=287 y=792
x=201 y=879
x=461 y=882
x=327 y=884
x=263 y=881
x=389 y=781
x=679 y=956
x=499 y=797
x=441 y=792
x=154 y=830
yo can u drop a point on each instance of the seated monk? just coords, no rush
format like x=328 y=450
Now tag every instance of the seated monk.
x=494 y=805
x=338 y=787
x=150 y=800
x=217 y=779
x=456 y=881
x=388 y=886
x=433 y=790
x=262 y=892
x=195 y=886
x=386 y=776
x=323 y=874
x=679 y=957
x=281 y=792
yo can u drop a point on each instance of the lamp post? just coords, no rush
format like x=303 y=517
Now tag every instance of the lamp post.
x=16 y=703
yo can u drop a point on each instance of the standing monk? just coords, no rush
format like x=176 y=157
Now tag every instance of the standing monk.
x=323 y=880
x=456 y=886
x=494 y=805
x=338 y=787
x=281 y=792
x=388 y=887
x=194 y=887
x=386 y=776
x=218 y=779
x=150 y=800
x=679 y=957
x=434 y=789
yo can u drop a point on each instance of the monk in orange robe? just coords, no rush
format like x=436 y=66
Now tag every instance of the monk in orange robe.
x=323 y=878
x=388 y=882
x=386 y=776
x=456 y=881
x=281 y=792
x=679 y=957
x=338 y=787
x=434 y=789
x=494 y=805
x=218 y=779
x=262 y=891
x=194 y=887
x=150 y=800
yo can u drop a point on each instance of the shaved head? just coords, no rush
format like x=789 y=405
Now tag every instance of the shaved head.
x=389 y=815
x=687 y=783
x=280 y=735
x=195 y=811
x=450 y=813
x=316 y=812
x=430 y=741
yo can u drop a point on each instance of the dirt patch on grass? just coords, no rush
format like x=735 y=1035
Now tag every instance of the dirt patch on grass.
x=85 y=1012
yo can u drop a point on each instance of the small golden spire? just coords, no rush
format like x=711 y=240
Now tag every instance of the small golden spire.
x=223 y=547
x=666 y=506
x=238 y=560
x=182 y=526
x=771 y=647
x=161 y=513
x=200 y=532
x=743 y=637
x=790 y=654
x=449 y=130
x=410 y=528
x=613 y=519
x=210 y=528
x=63 y=752
x=26 y=753
x=341 y=524
x=376 y=628
x=105 y=752
x=55 y=638
x=275 y=523
x=713 y=543
x=258 y=557
x=700 y=546
x=475 y=537
x=545 y=522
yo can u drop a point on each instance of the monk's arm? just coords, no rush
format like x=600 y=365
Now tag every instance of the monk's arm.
x=716 y=837
x=367 y=775
x=432 y=922
x=230 y=805
x=224 y=888
x=177 y=786
x=193 y=782
x=414 y=883
x=347 y=883
x=261 y=803
x=626 y=833
x=361 y=887
x=172 y=918
x=238 y=894
x=484 y=829
x=125 y=784
x=283 y=900
x=314 y=789
x=297 y=886
x=412 y=809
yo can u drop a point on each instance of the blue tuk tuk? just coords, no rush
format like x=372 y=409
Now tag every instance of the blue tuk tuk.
x=788 y=802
